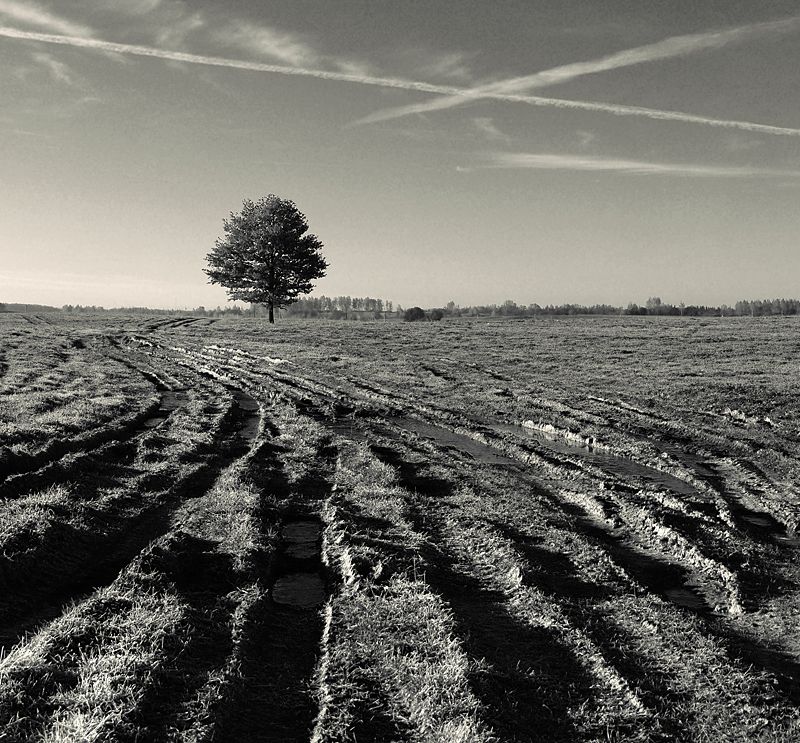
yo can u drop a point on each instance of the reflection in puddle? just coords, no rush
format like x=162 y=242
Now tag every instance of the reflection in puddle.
x=445 y=438
x=301 y=583
x=621 y=466
x=303 y=590
x=301 y=539
x=170 y=400
x=248 y=430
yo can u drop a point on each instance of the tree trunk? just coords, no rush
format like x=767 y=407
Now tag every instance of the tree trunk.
x=271 y=313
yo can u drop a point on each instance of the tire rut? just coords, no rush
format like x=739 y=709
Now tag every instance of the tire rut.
x=80 y=565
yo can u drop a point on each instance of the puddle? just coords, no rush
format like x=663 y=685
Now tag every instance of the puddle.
x=170 y=400
x=301 y=583
x=762 y=526
x=621 y=466
x=302 y=590
x=301 y=539
x=686 y=598
x=464 y=444
x=248 y=429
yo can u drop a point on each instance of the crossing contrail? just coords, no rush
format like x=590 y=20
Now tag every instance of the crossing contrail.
x=389 y=82
x=669 y=48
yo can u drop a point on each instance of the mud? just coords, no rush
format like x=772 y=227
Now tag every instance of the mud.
x=664 y=578
x=758 y=525
x=88 y=564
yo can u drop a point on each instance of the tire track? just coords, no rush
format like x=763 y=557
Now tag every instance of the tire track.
x=76 y=564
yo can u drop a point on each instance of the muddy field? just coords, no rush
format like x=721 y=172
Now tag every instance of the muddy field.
x=542 y=530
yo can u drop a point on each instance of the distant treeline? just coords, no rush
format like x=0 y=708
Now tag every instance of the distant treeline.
x=17 y=307
x=653 y=306
x=350 y=308
x=367 y=308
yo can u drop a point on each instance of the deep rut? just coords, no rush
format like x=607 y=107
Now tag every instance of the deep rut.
x=94 y=562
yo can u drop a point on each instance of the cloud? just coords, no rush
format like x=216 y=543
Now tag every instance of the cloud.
x=58 y=70
x=387 y=82
x=133 y=7
x=675 y=46
x=486 y=126
x=268 y=42
x=283 y=46
x=537 y=161
x=36 y=15
x=175 y=31
x=445 y=65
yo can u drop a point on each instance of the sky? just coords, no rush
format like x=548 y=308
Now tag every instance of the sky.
x=550 y=151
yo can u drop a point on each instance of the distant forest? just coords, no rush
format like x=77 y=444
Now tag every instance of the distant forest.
x=653 y=306
x=367 y=308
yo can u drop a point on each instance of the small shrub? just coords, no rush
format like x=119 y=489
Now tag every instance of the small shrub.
x=412 y=314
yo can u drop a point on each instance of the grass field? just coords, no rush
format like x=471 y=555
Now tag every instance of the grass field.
x=542 y=530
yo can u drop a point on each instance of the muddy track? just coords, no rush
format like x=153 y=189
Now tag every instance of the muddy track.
x=529 y=678
x=272 y=698
x=699 y=520
x=17 y=464
x=78 y=563
x=656 y=574
x=168 y=399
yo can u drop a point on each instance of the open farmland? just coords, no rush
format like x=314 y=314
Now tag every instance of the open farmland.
x=561 y=529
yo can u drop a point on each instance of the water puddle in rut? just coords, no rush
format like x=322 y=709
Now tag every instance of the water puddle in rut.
x=301 y=584
x=462 y=443
x=249 y=427
x=621 y=466
x=170 y=400
x=659 y=576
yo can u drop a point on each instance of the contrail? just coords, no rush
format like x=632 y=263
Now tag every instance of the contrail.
x=538 y=161
x=148 y=51
x=675 y=46
x=388 y=82
x=653 y=113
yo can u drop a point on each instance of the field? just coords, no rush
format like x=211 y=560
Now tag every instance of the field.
x=541 y=530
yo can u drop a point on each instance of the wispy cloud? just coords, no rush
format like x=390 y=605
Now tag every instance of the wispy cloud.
x=38 y=16
x=675 y=46
x=538 y=161
x=132 y=7
x=175 y=31
x=453 y=66
x=269 y=42
x=487 y=127
x=653 y=113
x=283 y=46
x=59 y=71
x=387 y=82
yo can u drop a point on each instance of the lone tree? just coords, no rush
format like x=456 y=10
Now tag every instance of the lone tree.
x=267 y=255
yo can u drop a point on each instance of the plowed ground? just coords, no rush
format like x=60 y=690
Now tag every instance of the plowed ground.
x=556 y=530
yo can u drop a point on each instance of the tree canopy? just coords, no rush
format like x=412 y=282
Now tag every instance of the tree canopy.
x=267 y=255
